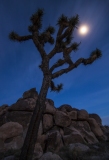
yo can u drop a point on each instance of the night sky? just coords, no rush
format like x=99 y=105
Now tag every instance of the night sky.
x=86 y=87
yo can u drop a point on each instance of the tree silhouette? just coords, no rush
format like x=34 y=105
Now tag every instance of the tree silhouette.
x=62 y=45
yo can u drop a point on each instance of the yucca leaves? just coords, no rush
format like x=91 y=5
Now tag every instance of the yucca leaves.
x=57 y=88
x=50 y=29
x=36 y=19
x=75 y=46
x=74 y=20
x=13 y=36
x=62 y=20
x=96 y=53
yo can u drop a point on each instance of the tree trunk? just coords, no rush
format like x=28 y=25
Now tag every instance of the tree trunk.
x=31 y=136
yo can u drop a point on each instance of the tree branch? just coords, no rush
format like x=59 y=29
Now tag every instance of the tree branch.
x=87 y=61
x=38 y=45
x=59 y=63
x=15 y=37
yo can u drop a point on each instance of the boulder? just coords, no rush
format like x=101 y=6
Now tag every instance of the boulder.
x=95 y=127
x=10 y=129
x=96 y=117
x=32 y=93
x=74 y=137
x=89 y=137
x=38 y=151
x=23 y=105
x=47 y=122
x=40 y=131
x=50 y=101
x=50 y=156
x=84 y=129
x=80 y=125
x=62 y=119
x=2 y=119
x=78 y=147
x=54 y=141
x=49 y=108
x=73 y=115
x=42 y=140
x=69 y=130
x=82 y=115
x=22 y=117
x=10 y=158
x=65 y=108
x=3 y=109
x=14 y=143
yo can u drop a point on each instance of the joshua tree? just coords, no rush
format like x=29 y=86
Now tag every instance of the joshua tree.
x=62 y=44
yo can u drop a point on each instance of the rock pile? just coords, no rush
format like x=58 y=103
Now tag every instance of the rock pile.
x=59 y=126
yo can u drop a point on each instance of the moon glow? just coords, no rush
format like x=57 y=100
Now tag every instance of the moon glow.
x=83 y=30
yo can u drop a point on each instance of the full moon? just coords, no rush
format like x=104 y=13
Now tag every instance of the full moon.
x=83 y=30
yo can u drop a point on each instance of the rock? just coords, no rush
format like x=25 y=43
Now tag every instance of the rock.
x=50 y=156
x=82 y=115
x=96 y=117
x=10 y=129
x=3 y=108
x=50 y=101
x=38 y=152
x=3 y=119
x=78 y=147
x=54 y=141
x=9 y=158
x=22 y=117
x=75 y=109
x=23 y=105
x=65 y=108
x=47 y=122
x=40 y=131
x=32 y=93
x=73 y=115
x=49 y=108
x=1 y=144
x=69 y=130
x=95 y=127
x=84 y=129
x=80 y=125
x=42 y=140
x=3 y=111
x=62 y=119
x=74 y=137
x=89 y=137
x=14 y=143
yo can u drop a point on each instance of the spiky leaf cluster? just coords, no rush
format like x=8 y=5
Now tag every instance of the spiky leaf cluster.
x=13 y=36
x=74 y=20
x=75 y=46
x=50 y=29
x=57 y=88
x=46 y=37
x=63 y=20
x=36 y=20
x=96 y=53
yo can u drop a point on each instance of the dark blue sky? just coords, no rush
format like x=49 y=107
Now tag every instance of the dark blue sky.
x=86 y=87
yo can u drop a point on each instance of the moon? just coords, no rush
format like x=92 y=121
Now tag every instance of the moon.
x=83 y=30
